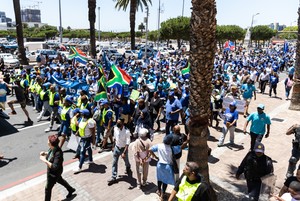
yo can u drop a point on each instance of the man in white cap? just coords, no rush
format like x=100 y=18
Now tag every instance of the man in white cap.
x=259 y=122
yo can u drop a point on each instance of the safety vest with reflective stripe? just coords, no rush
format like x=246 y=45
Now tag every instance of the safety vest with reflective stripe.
x=42 y=94
x=82 y=125
x=82 y=106
x=186 y=190
x=63 y=113
x=104 y=112
x=73 y=123
x=31 y=85
x=38 y=88
x=51 y=98
x=22 y=83
x=78 y=102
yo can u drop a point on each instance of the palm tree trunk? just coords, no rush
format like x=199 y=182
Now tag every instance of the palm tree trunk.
x=203 y=47
x=295 y=100
x=92 y=19
x=132 y=13
x=19 y=27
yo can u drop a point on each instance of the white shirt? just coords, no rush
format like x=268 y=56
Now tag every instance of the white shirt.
x=287 y=197
x=164 y=153
x=87 y=131
x=122 y=137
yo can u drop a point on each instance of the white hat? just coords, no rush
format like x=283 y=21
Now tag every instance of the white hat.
x=143 y=132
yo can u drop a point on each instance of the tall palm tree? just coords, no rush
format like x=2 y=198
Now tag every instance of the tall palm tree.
x=295 y=100
x=134 y=5
x=92 y=19
x=19 y=28
x=202 y=52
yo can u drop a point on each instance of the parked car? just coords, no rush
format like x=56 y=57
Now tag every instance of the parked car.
x=31 y=56
x=9 y=60
x=113 y=53
x=130 y=53
x=50 y=53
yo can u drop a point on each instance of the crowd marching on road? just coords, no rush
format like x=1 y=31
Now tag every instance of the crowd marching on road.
x=126 y=101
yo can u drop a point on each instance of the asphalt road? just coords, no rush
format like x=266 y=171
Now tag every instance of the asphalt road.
x=23 y=148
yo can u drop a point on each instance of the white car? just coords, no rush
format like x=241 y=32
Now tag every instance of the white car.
x=31 y=56
x=130 y=53
x=9 y=60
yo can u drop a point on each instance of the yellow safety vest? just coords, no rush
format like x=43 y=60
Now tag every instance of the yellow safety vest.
x=63 y=113
x=186 y=190
x=82 y=106
x=78 y=102
x=27 y=78
x=22 y=83
x=38 y=88
x=104 y=112
x=42 y=94
x=73 y=123
x=82 y=126
x=51 y=98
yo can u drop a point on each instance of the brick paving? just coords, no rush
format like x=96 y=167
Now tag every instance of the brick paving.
x=91 y=184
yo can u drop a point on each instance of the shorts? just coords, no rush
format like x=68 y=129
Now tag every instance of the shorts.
x=2 y=105
x=107 y=133
x=22 y=103
x=247 y=101
x=64 y=130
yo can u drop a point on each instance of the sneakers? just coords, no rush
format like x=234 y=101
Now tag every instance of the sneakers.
x=139 y=186
x=220 y=145
x=48 y=129
x=71 y=193
x=145 y=183
x=111 y=181
x=78 y=170
x=13 y=113
x=90 y=162
x=39 y=119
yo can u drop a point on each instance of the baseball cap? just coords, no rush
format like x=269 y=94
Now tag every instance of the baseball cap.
x=76 y=110
x=104 y=102
x=69 y=99
x=233 y=103
x=85 y=112
x=259 y=147
x=171 y=93
x=261 y=106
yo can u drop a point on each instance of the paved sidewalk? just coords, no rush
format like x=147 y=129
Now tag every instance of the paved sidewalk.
x=91 y=184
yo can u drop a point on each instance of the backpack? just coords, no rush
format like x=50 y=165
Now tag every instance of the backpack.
x=219 y=103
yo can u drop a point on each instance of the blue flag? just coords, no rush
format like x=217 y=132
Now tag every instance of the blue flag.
x=286 y=47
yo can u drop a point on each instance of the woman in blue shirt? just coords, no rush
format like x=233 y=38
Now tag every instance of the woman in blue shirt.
x=231 y=117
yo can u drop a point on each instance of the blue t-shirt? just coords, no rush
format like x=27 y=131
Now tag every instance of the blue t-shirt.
x=259 y=122
x=172 y=106
x=248 y=90
x=3 y=91
x=230 y=116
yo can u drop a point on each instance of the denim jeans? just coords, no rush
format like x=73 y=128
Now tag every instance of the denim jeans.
x=100 y=131
x=85 y=144
x=117 y=153
x=224 y=132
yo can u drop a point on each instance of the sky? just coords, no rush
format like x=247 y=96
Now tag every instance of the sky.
x=229 y=12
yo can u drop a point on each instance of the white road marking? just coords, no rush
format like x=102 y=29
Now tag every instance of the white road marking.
x=37 y=125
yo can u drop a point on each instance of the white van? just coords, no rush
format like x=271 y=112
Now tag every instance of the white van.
x=33 y=46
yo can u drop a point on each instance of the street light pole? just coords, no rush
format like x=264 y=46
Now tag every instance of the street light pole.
x=60 y=24
x=99 y=23
x=147 y=15
x=182 y=8
x=158 y=25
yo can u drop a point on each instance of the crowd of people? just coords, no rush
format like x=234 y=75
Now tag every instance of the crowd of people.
x=113 y=123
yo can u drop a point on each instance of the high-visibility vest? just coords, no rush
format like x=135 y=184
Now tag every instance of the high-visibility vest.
x=82 y=106
x=73 y=123
x=51 y=98
x=27 y=77
x=61 y=102
x=31 y=85
x=42 y=94
x=186 y=190
x=38 y=88
x=81 y=127
x=63 y=113
x=22 y=83
x=104 y=112
x=78 y=102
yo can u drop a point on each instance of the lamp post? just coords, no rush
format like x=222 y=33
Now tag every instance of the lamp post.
x=182 y=8
x=158 y=25
x=99 y=23
x=146 y=19
x=60 y=24
x=250 y=45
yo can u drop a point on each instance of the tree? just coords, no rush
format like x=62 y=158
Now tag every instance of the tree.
x=141 y=27
x=289 y=35
x=295 y=100
x=92 y=19
x=203 y=47
x=229 y=32
x=153 y=35
x=261 y=32
x=20 y=39
x=176 y=28
x=134 y=5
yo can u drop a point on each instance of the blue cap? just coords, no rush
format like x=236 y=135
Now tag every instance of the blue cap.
x=233 y=103
x=85 y=112
x=171 y=93
x=261 y=106
x=33 y=75
x=69 y=99
x=76 y=110
x=159 y=85
x=104 y=102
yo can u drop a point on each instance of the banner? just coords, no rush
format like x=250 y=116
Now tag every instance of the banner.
x=73 y=87
x=240 y=104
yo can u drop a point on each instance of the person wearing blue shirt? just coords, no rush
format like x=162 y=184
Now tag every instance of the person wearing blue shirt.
x=248 y=92
x=231 y=117
x=259 y=122
x=173 y=108
x=273 y=83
